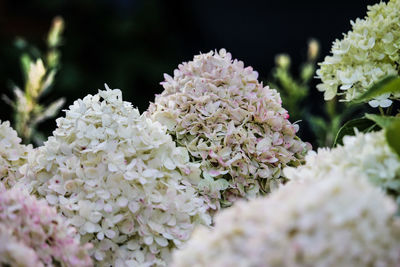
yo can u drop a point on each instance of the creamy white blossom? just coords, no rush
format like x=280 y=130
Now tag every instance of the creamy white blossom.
x=234 y=127
x=120 y=179
x=341 y=220
x=367 y=154
x=367 y=53
x=13 y=155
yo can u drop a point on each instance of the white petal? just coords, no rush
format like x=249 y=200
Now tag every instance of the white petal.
x=133 y=206
x=345 y=86
x=374 y=103
x=385 y=103
x=110 y=234
x=100 y=236
x=52 y=199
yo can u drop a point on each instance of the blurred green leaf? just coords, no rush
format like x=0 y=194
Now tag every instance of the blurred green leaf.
x=382 y=121
x=38 y=138
x=25 y=65
x=318 y=124
x=50 y=112
x=393 y=136
x=20 y=43
x=54 y=36
x=48 y=83
x=362 y=124
x=306 y=73
x=389 y=84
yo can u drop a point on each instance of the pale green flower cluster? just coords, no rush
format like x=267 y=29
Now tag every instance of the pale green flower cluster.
x=341 y=220
x=366 y=54
x=367 y=154
x=234 y=127
x=120 y=179
x=33 y=234
x=13 y=154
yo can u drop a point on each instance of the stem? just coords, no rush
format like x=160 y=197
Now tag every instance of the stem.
x=389 y=110
x=381 y=111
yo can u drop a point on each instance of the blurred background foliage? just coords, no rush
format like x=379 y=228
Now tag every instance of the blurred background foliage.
x=129 y=44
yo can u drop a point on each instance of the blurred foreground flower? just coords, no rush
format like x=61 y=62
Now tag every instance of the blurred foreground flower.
x=120 y=179
x=235 y=129
x=341 y=220
x=12 y=155
x=367 y=154
x=39 y=77
x=33 y=234
x=366 y=54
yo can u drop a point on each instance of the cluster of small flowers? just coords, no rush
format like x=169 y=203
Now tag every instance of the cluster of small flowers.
x=367 y=53
x=14 y=252
x=341 y=220
x=367 y=154
x=234 y=128
x=12 y=155
x=33 y=234
x=120 y=179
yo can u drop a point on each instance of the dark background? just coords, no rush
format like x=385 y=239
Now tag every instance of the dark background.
x=130 y=44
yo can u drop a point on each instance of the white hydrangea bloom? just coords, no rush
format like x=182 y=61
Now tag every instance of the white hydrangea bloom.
x=367 y=154
x=13 y=155
x=366 y=54
x=121 y=181
x=341 y=220
x=234 y=128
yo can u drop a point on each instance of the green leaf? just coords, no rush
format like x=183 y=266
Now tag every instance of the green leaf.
x=382 y=121
x=389 y=84
x=25 y=65
x=38 y=137
x=393 y=136
x=362 y=124
x=48 y=83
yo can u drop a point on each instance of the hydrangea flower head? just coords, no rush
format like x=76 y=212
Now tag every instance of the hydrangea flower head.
x=233 y=126
x=339 y=221
x=366 y=54
x=121 y=180
x=367 y=154
x=13 y=155
x=33 y=234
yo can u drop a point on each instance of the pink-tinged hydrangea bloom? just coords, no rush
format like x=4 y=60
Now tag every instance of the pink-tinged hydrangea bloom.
x=33 y=234
x=234 y=128
x=341 y=220
x=12 y=155
x=121 y=180
x=14 y=252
